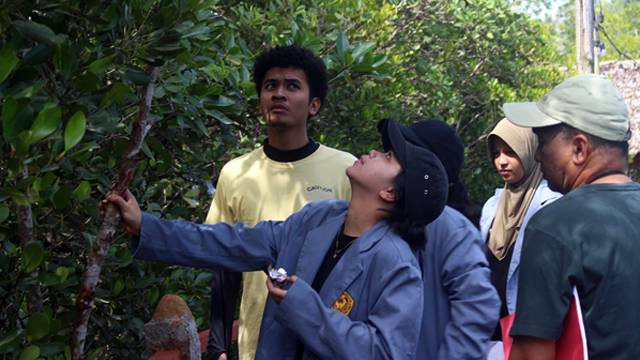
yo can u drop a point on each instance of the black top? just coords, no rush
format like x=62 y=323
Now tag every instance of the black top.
x=590 y=239
x=499 y=273
x=290 y=155
x=339 y=246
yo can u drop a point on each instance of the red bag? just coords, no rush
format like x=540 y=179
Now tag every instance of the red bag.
x=572 y=345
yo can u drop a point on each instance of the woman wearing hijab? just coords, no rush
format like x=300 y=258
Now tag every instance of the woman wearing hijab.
x=506 y=214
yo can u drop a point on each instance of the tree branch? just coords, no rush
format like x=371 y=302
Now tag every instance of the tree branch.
x=110 y=222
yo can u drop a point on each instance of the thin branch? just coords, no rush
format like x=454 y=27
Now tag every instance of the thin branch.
x=110 y=223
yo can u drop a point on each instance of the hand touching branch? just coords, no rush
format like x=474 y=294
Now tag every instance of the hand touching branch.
x=129 y=210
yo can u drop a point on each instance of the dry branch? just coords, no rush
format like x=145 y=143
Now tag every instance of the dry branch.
x=110 y=222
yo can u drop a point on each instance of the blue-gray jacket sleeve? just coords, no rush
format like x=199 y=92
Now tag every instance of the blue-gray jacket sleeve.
x=473 y=301
x=235 y=247
x=390 y=331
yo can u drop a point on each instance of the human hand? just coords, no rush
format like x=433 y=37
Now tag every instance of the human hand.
x=129 y=210
x=277 y=293
x=222 y=356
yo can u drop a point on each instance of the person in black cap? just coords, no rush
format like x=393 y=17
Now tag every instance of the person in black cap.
x=439 y=137
x=461 y=306
x=354 y=288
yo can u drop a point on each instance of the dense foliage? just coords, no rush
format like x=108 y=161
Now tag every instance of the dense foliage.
x=71 y=73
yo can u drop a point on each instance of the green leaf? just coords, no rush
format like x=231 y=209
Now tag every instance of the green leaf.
x=32 y=256
x=379 y=60
x=62 y=197
x=37 y=32
x=74 y=131
x=93 y=355
x=8 y=61
x=342 y=44
x=137 y=77
x=30 y=90
x=192 y=202
x=195 y=31
x=10 y=337
x=9 y=110
x=100 y=65
x=82 y=191
x=218 y=116
x=30 y=353
x=63 y=273
x=147 y=151
x=50 y=349
x=361 y=49
x=37 y=55
x=223 y=101
x=46 y=122
x=38 y=325
x=115 y=95
x=117 y=288
x=4 y=213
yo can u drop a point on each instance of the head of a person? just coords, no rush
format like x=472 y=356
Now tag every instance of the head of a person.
x=440 y=138
x=409 y=180
x=512 y=150
x=582 y=127
x=292 y=85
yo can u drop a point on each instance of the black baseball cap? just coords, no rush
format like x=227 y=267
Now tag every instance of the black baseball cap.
x=425 y=179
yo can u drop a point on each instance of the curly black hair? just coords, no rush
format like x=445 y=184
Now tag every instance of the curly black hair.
x=293 y=56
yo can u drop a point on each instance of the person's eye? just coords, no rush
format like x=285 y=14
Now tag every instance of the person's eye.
x=294 y=86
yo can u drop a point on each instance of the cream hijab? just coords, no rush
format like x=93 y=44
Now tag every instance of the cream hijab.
x=514 y=200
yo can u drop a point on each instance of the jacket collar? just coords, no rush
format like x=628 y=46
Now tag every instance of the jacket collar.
x=316 y=245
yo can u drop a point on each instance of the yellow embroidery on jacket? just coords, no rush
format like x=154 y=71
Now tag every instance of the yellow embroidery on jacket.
x=344 y=304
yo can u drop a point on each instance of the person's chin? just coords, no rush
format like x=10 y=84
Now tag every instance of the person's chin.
x=276 y=122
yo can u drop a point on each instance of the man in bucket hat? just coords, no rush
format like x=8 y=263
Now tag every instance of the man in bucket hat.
x=354 y=289
x=588 y=240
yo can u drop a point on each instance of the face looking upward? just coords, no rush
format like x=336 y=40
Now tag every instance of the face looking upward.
x=506 y=161
x=284 y=98
x=375 y=171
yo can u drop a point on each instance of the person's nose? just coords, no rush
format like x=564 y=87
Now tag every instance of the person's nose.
x=538 y=154
x=502 y=160
x=278 y=93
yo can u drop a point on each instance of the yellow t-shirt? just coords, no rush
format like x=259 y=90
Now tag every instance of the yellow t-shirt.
x=253 y=188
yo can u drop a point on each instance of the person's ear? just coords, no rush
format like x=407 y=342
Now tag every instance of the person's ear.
x=581 y=149
x=388 y=194
x=314 y=106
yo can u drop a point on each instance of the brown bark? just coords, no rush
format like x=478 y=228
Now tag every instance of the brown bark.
x=25 y=234
x=110 y=223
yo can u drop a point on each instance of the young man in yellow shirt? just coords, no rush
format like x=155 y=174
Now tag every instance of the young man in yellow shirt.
x=272 y=182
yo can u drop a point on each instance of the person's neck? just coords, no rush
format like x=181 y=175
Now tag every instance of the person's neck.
x=603 y=169
x=363 y=213
x=287 y=138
